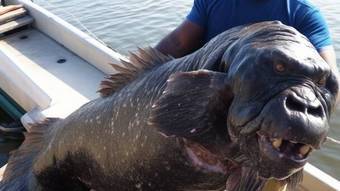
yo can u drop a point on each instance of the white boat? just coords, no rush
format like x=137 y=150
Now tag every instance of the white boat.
x=51 y=68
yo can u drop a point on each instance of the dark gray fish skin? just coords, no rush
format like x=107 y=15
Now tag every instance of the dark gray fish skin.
x=119 y=150
x=141 y=136
x=124 y=153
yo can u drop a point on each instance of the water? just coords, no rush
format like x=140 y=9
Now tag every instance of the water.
x=127 y=24
x=123 y=25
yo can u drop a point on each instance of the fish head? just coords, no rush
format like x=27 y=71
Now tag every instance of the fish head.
x=261 y=105
x=284 y=93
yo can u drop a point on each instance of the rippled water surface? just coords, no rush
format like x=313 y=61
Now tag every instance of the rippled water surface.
x=126 y=24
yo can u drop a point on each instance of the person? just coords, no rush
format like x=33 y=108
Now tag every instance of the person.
x=209 y=18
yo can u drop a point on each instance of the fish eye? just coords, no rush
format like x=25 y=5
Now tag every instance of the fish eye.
x=322 y=81
x=279 y=67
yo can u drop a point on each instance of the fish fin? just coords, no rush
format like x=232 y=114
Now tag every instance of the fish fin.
x=289 y=184
x=128 y=70
x=18 y=174
x=294 y=180
x=244 y=179
x=193 y=104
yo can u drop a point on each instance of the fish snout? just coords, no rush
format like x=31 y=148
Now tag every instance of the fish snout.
x=296 y=115
x=293 y=125
x=305 y=115
x=307 y=104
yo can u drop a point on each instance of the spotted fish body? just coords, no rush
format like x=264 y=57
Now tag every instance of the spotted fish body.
x=107 y=144
x=175 y=124
x=114 y=148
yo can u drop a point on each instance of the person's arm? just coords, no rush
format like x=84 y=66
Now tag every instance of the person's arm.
x=311 y=23
x=183 y=40
x=328 y=54
x=189 y=36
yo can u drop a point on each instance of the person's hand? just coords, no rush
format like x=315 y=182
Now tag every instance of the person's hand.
x=9 y=8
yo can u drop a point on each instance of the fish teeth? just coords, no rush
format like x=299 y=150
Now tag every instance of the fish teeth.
x=277 y=142
x=304 y=150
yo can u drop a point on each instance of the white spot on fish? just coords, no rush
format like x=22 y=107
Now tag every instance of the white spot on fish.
x=136 y=137
x=123 y=134
x=193 y=130
x=138 y=186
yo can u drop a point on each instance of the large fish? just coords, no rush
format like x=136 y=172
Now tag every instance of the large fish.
x=249 y=106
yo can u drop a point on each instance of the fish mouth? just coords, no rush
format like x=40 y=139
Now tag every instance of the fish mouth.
x=280 y=157
x=284 y=149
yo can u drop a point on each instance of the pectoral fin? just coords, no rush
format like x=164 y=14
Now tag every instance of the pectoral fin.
x=193 y=104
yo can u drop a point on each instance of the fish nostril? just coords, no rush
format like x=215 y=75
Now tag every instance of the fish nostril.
x=315 y=111
x=294 y=104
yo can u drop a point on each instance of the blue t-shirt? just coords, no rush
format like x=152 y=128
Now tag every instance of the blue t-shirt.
x=217 y=16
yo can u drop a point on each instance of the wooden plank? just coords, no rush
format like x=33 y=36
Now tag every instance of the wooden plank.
x=9 y=8
x=12 y=15
x=16 y=24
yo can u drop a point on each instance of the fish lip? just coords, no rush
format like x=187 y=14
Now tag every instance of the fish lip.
x=267 y=149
